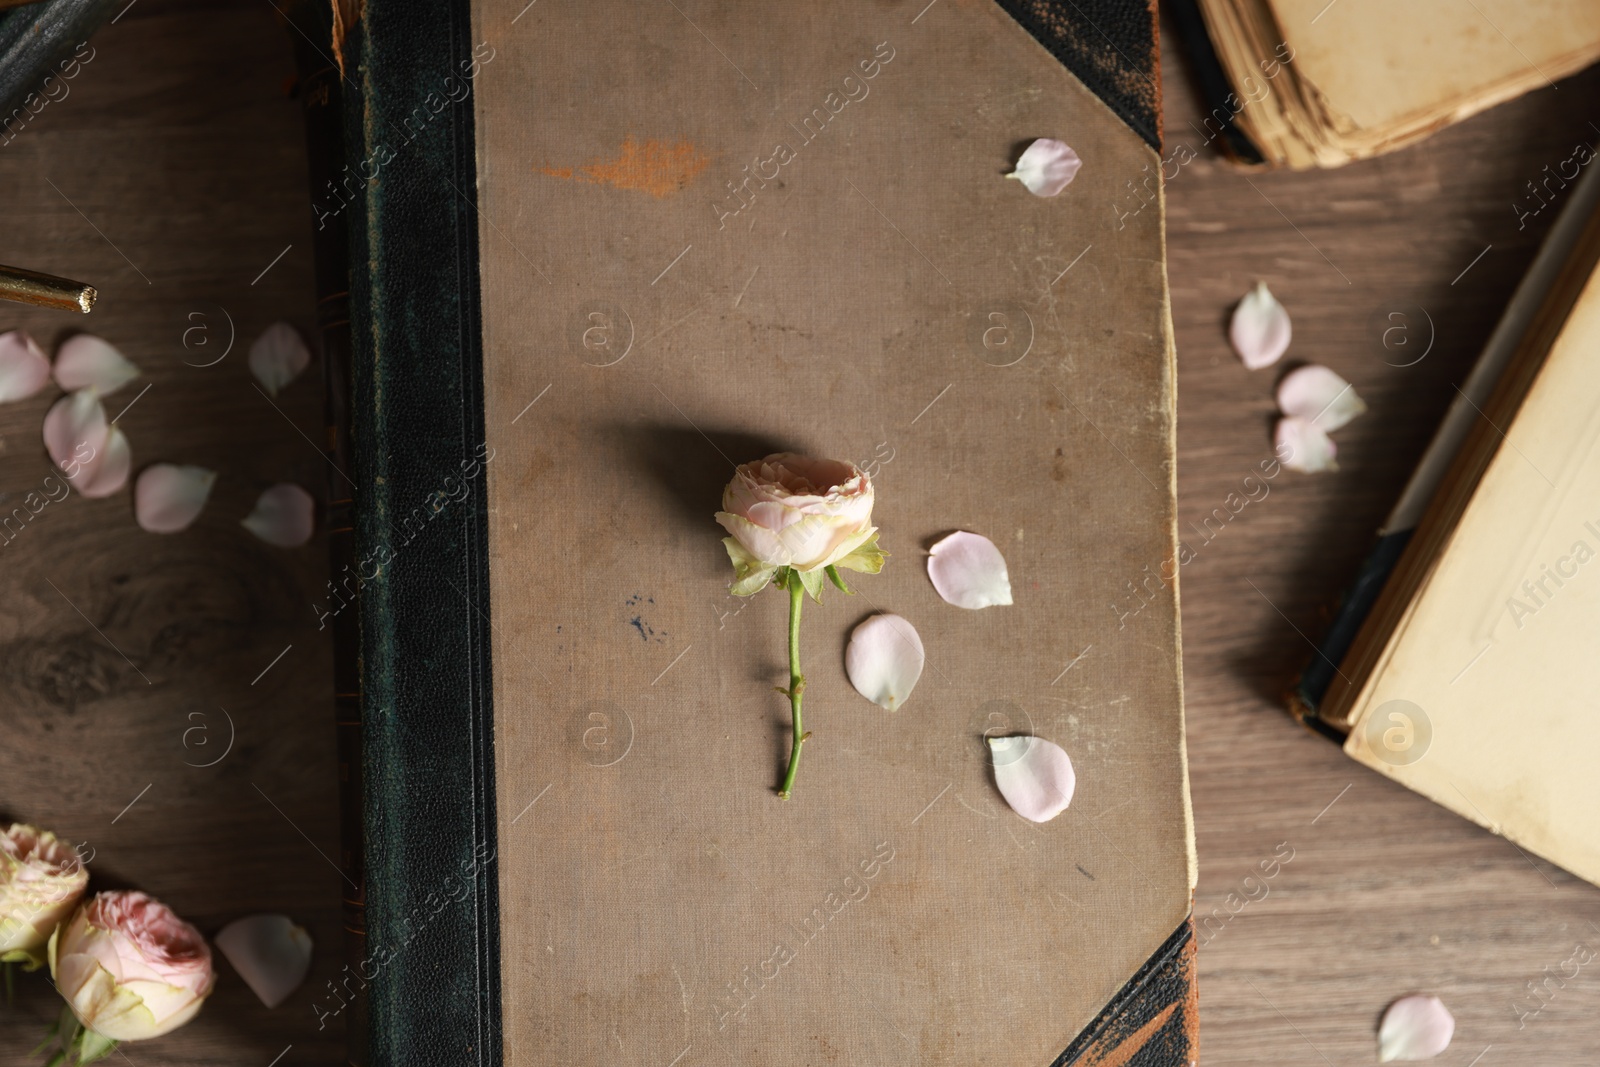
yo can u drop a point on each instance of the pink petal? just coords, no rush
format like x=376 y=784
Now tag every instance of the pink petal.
x=270 y=953
x=284 y=516
x=1034 y=775
x=1318 y=394
x=969 y=572
x=23 y=366
x=75 y=433
x=1302 y=445
x=1260 y=329
x=278 y=356
x=167 y=497
x=85 y=361
x=1046 y=167
x=109 y=472
x=884 y=660
x=1415 y=1028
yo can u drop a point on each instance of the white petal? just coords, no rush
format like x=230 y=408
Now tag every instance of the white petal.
x=969 y=572
x=278 y=356
x=1034 y=775
x=1318 y=394
x=270 y=953
x=1303 y=446
x=283 y=516
x=85 y=361
x=23 y=366
x=1415 y=1028
x=1260 y=329
x=1046 y=167
x=75 y=433
x=168 y=497
x=109 y=472
x=884 y=660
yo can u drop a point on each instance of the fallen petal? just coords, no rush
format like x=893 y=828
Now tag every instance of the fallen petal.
x=1046 y=167
x=1260 y=329
x=283 y=516
x=969 y=572
x=884 y=660
x=109 y=472
x=1318 y=394
x=23 y=366
x=278 y=356
x=168 y=497
x=1415 y=1028
x=84 y=361
x=270 y=953
x=1302 y=445
x=75 y=433
x=1034 y=775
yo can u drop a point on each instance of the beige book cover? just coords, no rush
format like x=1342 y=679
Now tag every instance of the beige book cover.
x=715 y=230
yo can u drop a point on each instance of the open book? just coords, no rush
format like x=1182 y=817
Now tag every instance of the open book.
x=1318 y=83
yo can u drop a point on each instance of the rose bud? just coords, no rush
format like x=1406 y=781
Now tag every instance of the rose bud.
x=41 y=880
x=129 y=968
x=804 y=514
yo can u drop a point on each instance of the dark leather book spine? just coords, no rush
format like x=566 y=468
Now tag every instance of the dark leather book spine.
x=322 y=98
x=43 y=47
x=417 y=449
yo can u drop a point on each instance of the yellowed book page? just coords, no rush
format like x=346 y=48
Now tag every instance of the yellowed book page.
x=1488 y=698
x=1387 y=64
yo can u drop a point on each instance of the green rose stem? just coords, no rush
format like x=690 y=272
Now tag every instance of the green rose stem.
x=797 y=681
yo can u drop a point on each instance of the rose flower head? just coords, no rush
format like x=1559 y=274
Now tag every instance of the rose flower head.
x=41 y=880
x=800 y=513
x=129 y=968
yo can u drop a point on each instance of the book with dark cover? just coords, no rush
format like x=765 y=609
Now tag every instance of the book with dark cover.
x=530 y=895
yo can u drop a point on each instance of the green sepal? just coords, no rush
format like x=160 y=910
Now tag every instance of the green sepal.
x=812 y=580
x=31 y=961
x=750 y=575
x=833 y=576
x=867 y=558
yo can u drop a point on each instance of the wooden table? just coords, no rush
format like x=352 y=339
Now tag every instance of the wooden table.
x=173 y=175
x=1386 y=893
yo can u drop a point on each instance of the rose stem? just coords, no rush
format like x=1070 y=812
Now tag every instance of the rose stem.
x=797 y=681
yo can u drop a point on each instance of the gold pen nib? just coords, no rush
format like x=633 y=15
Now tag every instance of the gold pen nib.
x=45 y=290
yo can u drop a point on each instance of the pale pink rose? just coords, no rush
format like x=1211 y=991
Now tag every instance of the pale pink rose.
x=129 y=967
x=792 y=511
x=41 y=879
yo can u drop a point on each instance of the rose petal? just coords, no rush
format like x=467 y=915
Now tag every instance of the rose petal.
x=1318 y=394
x=969 y=572
x=1302 y=445
x=23 y=366
x=109 y=472
x=270 y=953
x=1034 y=775
x=283 y=516
x=1046 y=167
x=168 y=497
x=1260 y=329
x=86 y=361
x=278 y=356
x=884 y=660
x=1415 y=1028
x=75 y=433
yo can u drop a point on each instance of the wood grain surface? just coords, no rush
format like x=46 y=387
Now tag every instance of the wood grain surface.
x=1386 y=893
x=171 y=176
x=182 y=150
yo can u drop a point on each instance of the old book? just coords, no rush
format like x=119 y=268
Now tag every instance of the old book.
x=1313 y=83
x=1468 y=677
x=600 y=254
